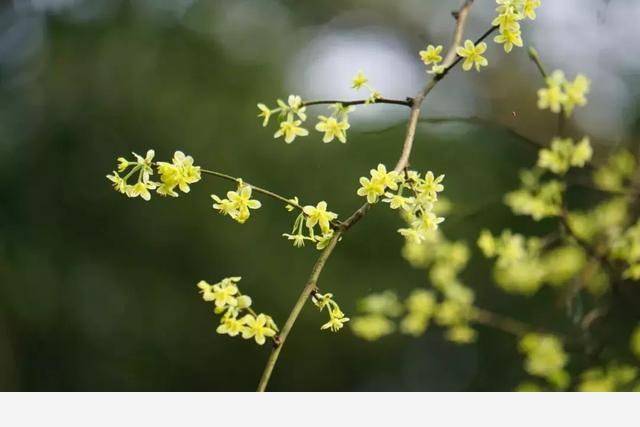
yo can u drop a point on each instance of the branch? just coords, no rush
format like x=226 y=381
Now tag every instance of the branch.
x=289 y=202
x=297 y=308
x=253 y=187
x=451 y=60
x=406 y=102
x=497 y=321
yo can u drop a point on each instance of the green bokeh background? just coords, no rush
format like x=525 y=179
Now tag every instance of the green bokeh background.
x=97 y=291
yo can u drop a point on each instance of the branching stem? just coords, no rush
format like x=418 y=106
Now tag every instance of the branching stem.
x=451 y=59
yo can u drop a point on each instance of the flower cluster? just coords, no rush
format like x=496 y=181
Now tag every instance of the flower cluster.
x=534 y=198
x=179 y=173
x=617 y=173
x=564 y=153
x=310 y=218
x=450 y=304
x=292 y=115
x=613 y=377
x=540 y=199
x=238 y=318
x=627 y=249
x=361 y=81
x=417 y=209
x=237 y=204
x=376 y=311
x=510 y=13
x=432 y=56
x=545 y=358
x=562 y=95
x=472 y=55
x=522 y=265
x=337 y=318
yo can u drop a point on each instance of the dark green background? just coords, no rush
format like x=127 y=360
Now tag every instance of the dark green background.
x=97 y=291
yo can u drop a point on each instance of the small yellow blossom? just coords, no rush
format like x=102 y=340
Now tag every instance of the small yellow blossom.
x=431 y=55
x=359 y=81
x=290 y=128
x=472 y=55
x=332 y=128
x=231 y=326
x=257 y=328
x=371 y=189
x=397 y=201
x=553 y=96
x=319 y=215
x=336 y=321
x=293 y=107
x=265 y=113
x=509 y=37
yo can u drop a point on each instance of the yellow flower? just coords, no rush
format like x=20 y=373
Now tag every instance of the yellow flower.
x=397 y=201
x=413 y=235
x=372 y=327
x=319 y=215
x=180 y=173
x=529 y=8
x=472 y=55
x=298 y=239
x=119 y=184
x=359 y=81
x=431 y=55
x=545 y=355
x=290 y=128
x=293 y=107
x=553 y=97
x=336 y=320
x=206 y=290
x=387 y=179
x=332 y=128
x=292 y=207
x=576 y=93
x=257 y=328
x=431 y=185
x=507 y=19
x=242 y=198
x=509 y=38
x=224 y=206
x=231 y=326
x=371 y=189
x=237 y=203
x=265 y=113
x=223 y=294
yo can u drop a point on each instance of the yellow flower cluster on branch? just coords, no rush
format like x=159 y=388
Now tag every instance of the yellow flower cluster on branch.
x=540 y=199
x=360 y=81
x=545 y=358
x=510 y=13
x=238 y=318
x=450 y=304
x=237 y=204
x=304 y=227
x=337 y=318
x=179 y=173
x=562 y=95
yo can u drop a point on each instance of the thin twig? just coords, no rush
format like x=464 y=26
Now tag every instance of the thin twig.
x=402 y=163
x=288 y=202
x=406 y=102
x=253 y=187
x=498 y=321
x=295 y=312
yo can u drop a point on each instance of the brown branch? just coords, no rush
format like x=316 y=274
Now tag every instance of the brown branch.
x=405 y=102
x=403 y=162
